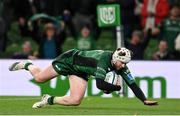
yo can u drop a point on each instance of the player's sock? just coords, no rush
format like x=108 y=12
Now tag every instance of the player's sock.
x=51 y=100
x=26 y=65
x=56 y=100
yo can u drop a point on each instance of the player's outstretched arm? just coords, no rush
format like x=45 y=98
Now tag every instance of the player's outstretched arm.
x=139 y=94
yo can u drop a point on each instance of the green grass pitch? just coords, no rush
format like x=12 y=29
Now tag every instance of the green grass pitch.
x=90 y=106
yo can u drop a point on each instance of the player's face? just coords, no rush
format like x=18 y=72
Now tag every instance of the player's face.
x=119 y=65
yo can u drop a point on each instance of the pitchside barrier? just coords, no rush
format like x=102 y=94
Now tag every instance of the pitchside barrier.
x=158 y=79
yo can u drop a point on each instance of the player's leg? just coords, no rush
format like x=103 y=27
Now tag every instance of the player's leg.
x=38 y=74
x=77 y=91
x=42 y=75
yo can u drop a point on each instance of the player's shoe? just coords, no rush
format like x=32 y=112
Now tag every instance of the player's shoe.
x=43 y=102
x=19 y=65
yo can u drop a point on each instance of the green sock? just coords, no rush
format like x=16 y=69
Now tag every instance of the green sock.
x=50 y=100
x=26 y=66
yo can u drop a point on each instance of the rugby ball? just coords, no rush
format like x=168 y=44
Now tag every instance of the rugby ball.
x=112 y=78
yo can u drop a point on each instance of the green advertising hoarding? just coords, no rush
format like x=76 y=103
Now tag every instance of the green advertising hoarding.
x=62 y=87
x=108 y=15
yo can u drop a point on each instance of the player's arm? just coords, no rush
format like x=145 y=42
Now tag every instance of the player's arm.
x=135 y=88
x=105 y=86
x=140 y=95
x=101 y=84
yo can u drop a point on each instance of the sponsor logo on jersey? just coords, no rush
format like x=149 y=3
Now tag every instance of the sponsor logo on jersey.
x=130 y=77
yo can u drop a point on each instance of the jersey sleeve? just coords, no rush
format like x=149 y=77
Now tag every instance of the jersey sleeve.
x=126 y=75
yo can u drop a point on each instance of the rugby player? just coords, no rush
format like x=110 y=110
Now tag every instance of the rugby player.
x=78 y=66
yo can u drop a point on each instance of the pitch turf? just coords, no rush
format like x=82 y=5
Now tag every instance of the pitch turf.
x=89 y=106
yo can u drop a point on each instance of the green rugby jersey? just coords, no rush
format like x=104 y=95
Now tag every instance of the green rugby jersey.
x=86 y=63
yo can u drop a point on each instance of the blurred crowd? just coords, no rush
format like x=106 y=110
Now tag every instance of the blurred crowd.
x=50 y=22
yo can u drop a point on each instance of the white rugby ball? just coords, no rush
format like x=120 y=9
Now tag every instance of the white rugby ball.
x=112 y=78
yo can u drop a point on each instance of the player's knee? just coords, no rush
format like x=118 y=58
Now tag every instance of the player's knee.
x=76 y=101
x=39 y=79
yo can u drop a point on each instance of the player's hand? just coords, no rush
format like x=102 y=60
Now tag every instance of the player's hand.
x=150 y=103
